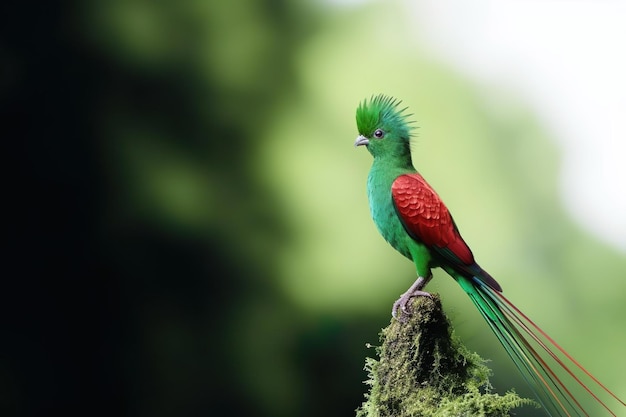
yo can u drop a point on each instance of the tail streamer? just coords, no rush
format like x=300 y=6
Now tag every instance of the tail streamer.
x=538 y=357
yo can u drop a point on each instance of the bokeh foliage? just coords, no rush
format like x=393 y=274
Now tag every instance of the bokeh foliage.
x=189 y=221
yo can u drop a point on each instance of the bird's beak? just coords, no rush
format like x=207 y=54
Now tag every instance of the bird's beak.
x=361 y=140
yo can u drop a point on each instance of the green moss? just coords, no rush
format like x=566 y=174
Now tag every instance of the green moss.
x=424 y=370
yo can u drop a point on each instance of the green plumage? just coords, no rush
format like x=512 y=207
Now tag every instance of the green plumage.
x=392 y=158
x=379 y=108
x=379 y=181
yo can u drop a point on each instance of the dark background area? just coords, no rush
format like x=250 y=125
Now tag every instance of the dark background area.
x=110 y=307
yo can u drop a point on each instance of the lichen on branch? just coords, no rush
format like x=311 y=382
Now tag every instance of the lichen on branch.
x=424 y=370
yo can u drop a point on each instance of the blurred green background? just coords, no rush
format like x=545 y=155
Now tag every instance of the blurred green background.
x=189 y=231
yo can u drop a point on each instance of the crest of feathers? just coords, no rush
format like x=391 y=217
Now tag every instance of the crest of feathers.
x=382 y=111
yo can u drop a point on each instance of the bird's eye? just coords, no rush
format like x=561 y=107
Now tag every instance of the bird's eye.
x=379 y=134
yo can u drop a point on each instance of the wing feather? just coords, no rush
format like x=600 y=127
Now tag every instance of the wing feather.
x=427 y=219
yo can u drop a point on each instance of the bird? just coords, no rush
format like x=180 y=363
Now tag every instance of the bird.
x=413 y=219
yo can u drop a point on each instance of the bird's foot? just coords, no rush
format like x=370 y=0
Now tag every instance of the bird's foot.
x=403 y=302
x=414 y=291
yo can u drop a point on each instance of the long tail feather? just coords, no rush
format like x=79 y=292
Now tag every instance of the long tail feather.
x=537 y=356
x=516 y=312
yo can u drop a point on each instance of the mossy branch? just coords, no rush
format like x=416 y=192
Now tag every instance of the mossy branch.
x=424 y=370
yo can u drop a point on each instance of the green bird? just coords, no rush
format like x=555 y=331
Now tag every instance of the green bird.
x=414 y=220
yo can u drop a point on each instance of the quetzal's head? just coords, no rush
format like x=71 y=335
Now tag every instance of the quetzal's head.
x=383 y=127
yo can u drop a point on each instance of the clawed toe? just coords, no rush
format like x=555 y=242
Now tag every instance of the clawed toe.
x=402 y=303
x=415 y=290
